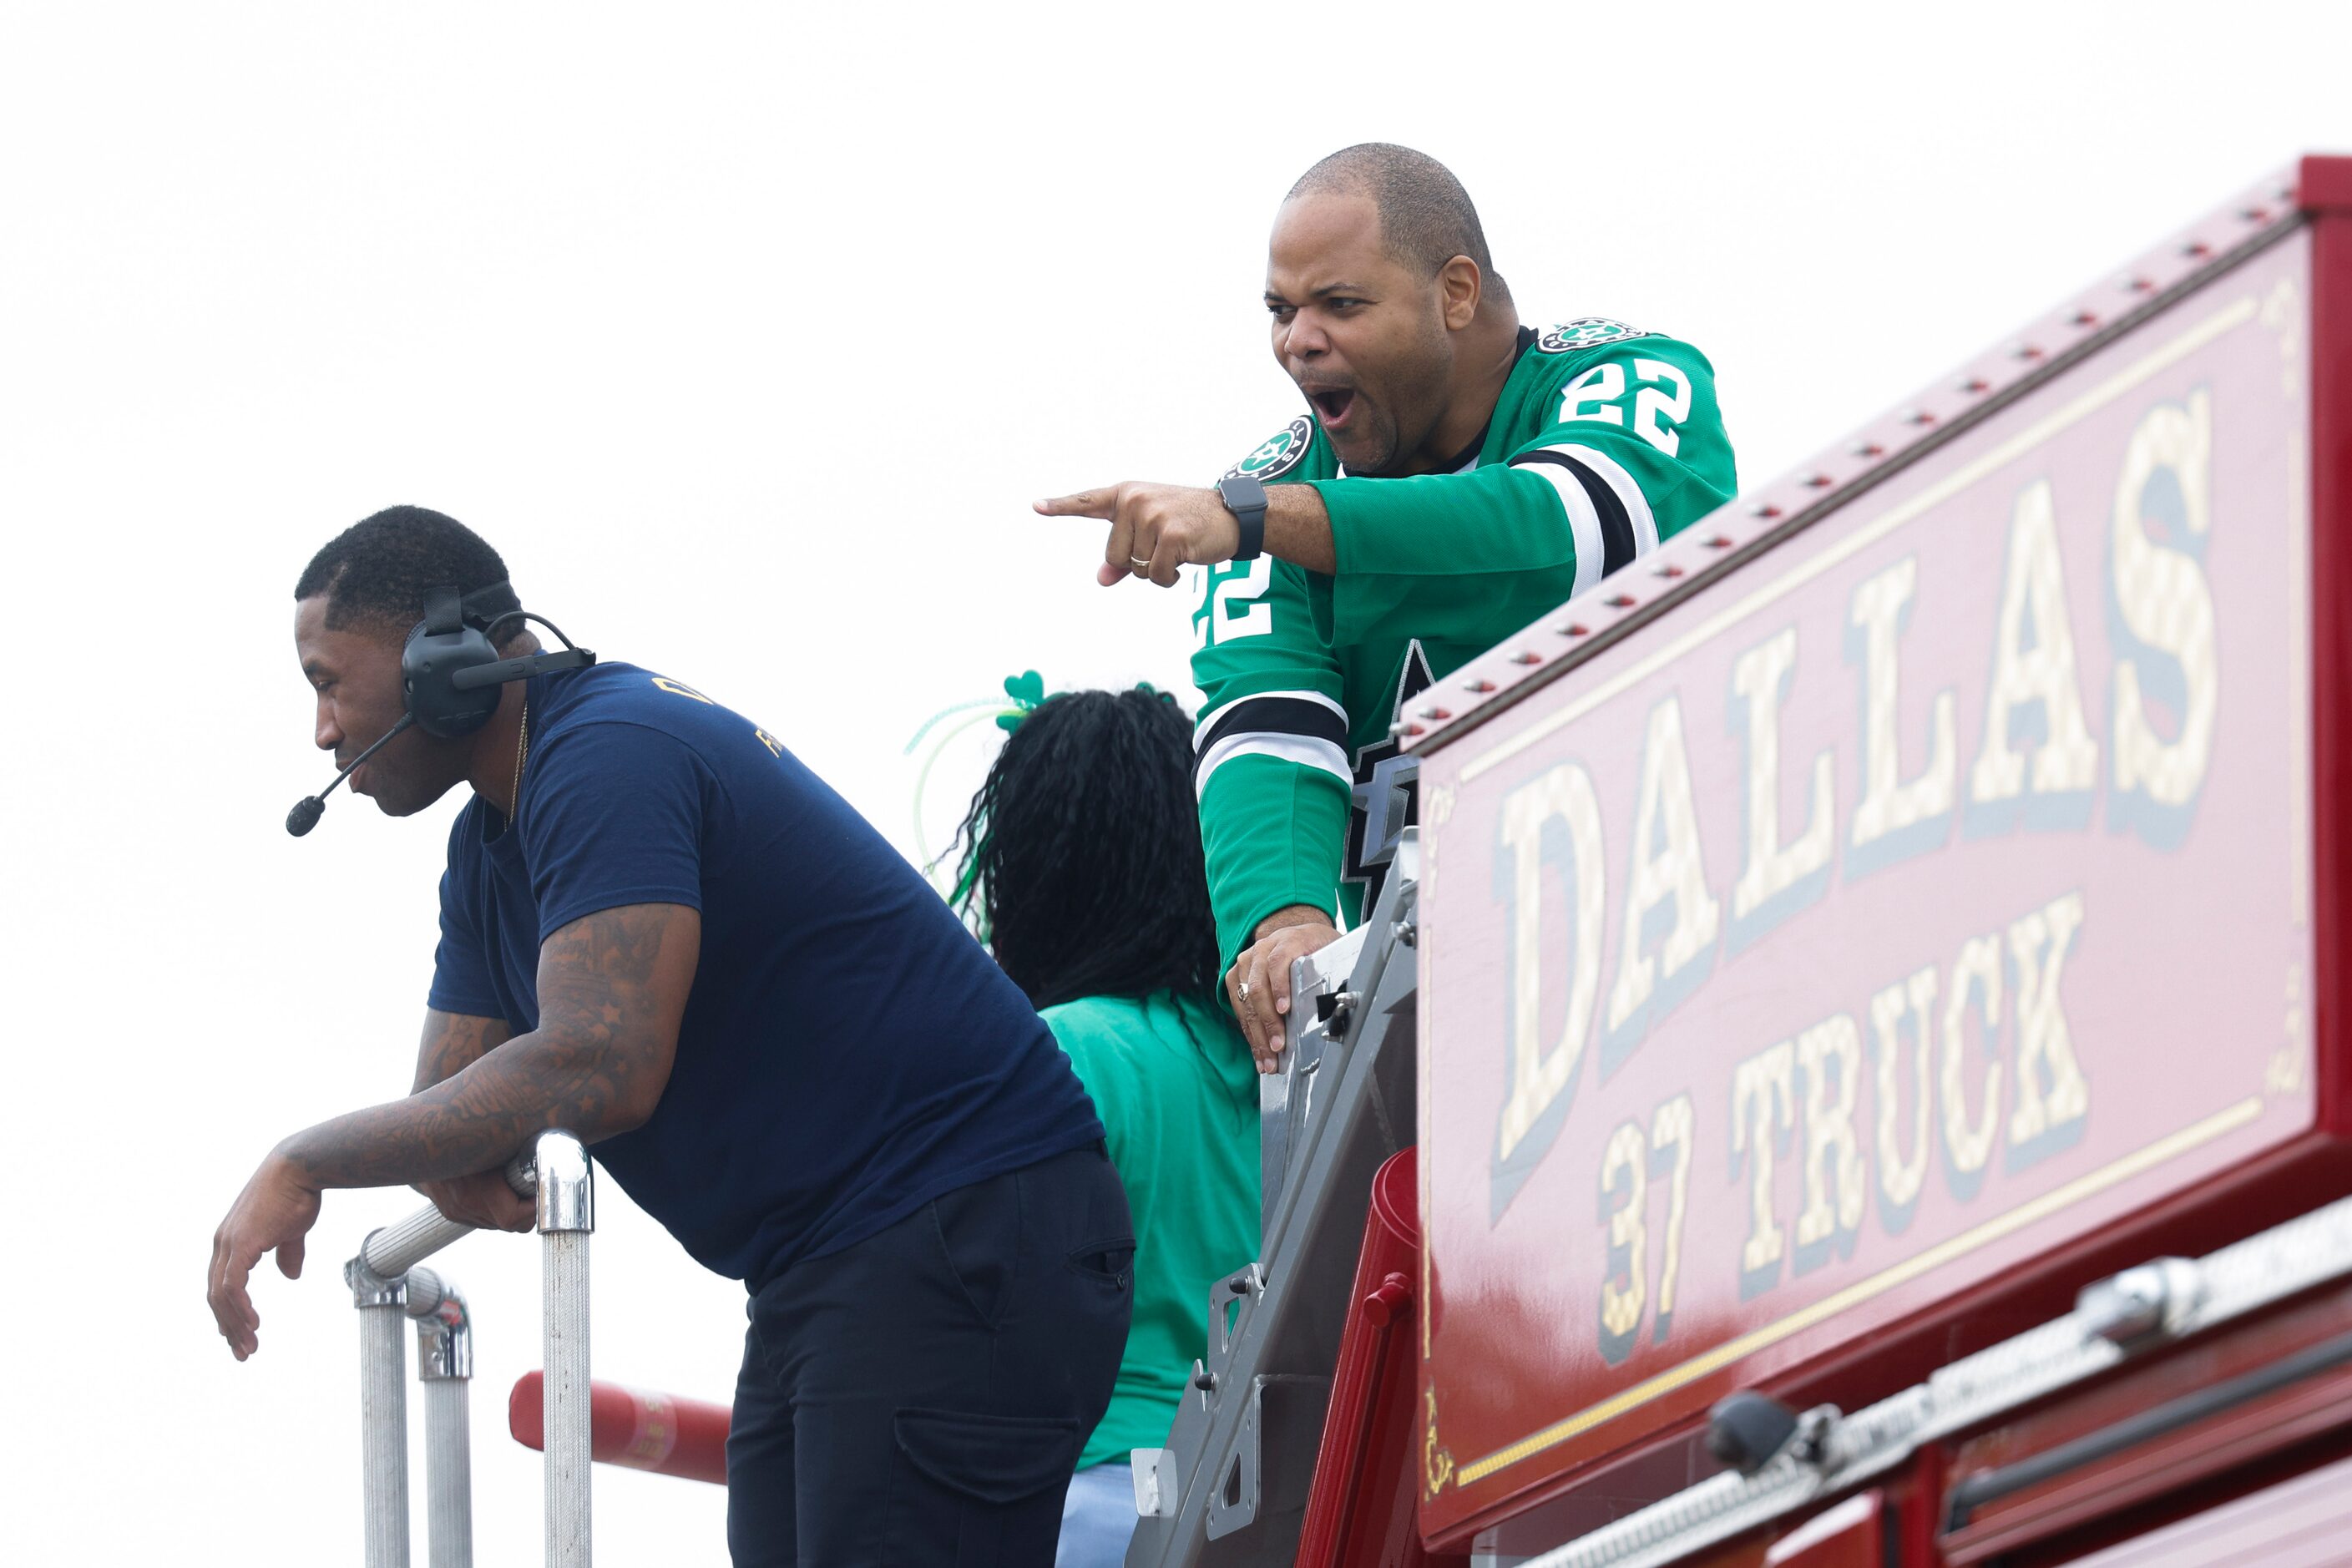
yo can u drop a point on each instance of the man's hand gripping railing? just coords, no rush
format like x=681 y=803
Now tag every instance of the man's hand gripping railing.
x=390 y=1252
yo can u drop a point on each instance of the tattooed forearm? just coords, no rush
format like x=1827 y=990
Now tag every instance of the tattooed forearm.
x=452 y=1042
x=612 y=991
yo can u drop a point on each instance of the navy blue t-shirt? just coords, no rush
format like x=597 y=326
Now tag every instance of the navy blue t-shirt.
x=848 y=1051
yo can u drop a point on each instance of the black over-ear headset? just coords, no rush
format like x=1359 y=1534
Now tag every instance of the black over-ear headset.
x=450 y=673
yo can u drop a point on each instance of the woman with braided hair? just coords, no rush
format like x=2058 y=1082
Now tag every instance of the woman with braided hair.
x=1082 y=871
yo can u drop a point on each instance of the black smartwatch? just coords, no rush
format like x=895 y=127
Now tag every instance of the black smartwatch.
x=1245 y=499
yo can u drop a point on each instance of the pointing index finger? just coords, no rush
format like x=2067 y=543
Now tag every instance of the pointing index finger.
x=1101 y=503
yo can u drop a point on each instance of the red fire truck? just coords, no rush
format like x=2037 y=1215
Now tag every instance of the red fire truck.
x=1850 y=1065
x=1864 y=992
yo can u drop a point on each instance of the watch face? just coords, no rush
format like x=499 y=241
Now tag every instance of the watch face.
x=1245 y=499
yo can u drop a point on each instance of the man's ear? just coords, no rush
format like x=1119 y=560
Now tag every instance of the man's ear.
x=1460 y=287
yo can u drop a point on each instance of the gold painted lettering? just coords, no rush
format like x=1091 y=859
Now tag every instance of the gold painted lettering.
x=2165 y=600
x=2045 y=1047
x=1667 y=816
x=1834 y=1189
x=2067 y=759
x=1621 y=1305
x=1888 y=805
x=1760 y=678
x=1671 y=1127
x=1759 y=1086
x=1899 y=1179
x=1541 y=1073
x=1970 y=1147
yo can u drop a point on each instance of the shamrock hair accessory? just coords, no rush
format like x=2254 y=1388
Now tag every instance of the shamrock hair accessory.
x=1027 y=691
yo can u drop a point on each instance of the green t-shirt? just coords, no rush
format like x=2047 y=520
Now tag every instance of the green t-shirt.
x=1604 y=441
x=1172 y=1080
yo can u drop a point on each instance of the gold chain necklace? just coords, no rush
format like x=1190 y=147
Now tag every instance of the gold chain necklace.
x=522 y=755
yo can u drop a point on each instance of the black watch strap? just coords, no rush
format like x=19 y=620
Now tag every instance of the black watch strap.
x=1245 y=499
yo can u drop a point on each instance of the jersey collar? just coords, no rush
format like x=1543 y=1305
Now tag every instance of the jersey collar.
x=1468 y=459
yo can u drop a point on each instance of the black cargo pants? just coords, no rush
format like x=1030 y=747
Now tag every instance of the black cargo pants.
x=920 y=1397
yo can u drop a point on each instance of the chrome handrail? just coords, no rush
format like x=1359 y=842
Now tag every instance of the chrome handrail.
x=387 y=1285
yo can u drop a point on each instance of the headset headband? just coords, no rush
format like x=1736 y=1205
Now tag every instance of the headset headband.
x=445 y=612
x=488 y=605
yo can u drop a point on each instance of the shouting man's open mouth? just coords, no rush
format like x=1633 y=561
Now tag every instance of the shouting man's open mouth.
x=1333 y=405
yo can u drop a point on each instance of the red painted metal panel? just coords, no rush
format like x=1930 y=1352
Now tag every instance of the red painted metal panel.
x=2166 y=1463
x=1928 y=901
x=1360 y=1513
x=1849 y=1534
x=2324 y=190
x=2323 y=184
x=2306 y=1522
x=632 y=1427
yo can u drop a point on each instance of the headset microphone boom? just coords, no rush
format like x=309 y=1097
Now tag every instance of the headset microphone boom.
x=450 y=672
x=311 y=807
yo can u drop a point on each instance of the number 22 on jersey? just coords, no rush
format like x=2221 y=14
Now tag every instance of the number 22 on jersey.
x=1229 y=602
x=1597 y=392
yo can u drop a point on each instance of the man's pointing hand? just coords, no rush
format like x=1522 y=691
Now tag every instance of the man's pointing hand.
x=1154 y=528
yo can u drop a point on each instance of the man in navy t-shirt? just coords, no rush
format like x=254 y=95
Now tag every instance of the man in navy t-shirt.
x=661 y=932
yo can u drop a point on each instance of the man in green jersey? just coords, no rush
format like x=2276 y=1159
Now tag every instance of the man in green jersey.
x=1459 y=475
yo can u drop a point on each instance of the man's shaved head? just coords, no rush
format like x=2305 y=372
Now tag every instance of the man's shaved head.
x=1426 y=218
x=1385 y=309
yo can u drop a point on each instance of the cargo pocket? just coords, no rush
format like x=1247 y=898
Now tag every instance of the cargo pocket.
x=1111 y=1262
x=976 y=1491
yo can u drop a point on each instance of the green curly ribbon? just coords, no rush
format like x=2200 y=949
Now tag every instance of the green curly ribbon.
x=1025 y=693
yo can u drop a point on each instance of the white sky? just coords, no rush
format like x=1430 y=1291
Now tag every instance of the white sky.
x=748 y=338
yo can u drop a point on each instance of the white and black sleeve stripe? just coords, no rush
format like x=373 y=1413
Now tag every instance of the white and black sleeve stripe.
x=1607 y=513
x=1302 y=727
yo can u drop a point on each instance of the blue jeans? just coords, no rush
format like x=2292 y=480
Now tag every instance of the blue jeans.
x=1097 y=1518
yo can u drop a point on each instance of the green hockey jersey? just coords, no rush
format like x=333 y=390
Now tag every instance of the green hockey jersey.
x=1604 y=441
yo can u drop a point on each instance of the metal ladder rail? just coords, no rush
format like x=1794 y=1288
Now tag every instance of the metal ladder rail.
x=1229 y=1487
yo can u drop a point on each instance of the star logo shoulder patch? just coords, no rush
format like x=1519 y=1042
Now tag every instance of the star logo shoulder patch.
x=1586 y=333
x=1277 y=454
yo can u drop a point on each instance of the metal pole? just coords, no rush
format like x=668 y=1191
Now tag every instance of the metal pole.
x=393 y=1250
x=445 y=1365
x=567 y=1217
x=378 y=1277
x=384 y=1417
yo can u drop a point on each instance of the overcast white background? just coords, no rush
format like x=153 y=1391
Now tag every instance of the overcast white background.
x=747 y=335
